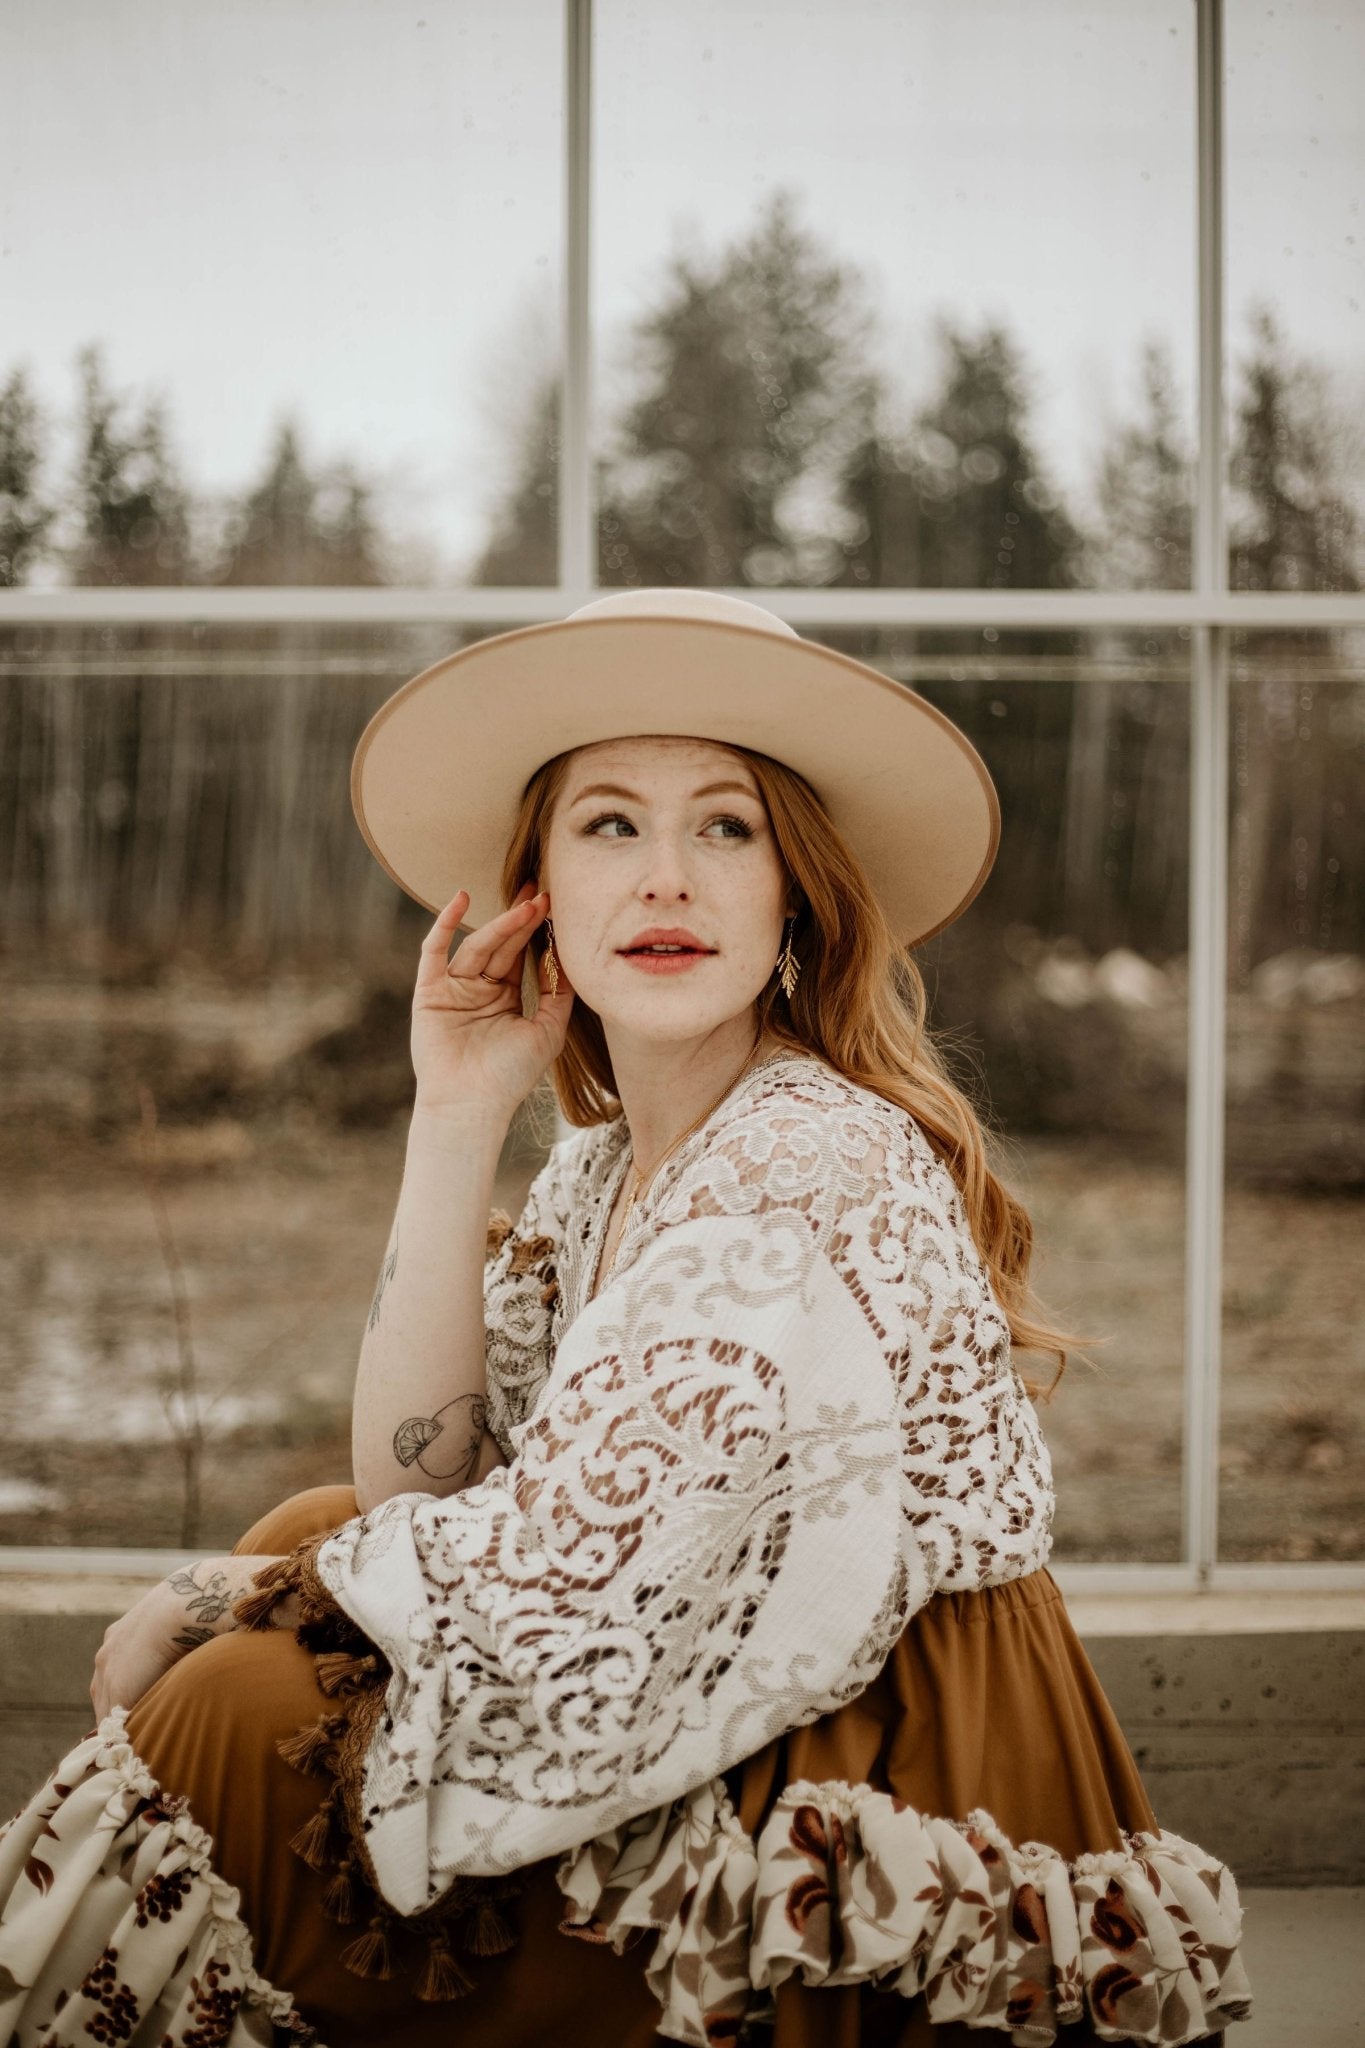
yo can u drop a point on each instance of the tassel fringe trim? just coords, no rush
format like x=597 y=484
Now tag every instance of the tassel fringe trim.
x=469 y=1921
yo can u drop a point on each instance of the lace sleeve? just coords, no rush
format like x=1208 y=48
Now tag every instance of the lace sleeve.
x=696 y=1544
x=976 y=1479
x=520 y=1290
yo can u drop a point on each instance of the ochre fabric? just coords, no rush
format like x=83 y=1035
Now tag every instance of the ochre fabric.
x=987 y=1700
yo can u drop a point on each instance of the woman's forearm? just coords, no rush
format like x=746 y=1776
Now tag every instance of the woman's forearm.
x=417 y=1423
x=180 y=1614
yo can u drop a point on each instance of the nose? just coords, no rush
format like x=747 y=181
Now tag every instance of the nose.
x=664 y=876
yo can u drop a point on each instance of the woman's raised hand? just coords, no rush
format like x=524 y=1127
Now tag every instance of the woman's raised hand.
x=472 y=1049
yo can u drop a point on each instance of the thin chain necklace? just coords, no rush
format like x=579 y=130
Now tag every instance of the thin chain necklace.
x=640 y=1180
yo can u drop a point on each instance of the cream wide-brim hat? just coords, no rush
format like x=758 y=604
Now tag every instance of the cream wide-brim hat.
x=440 y=769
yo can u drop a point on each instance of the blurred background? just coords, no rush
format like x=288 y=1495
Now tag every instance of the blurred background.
x=882 y=297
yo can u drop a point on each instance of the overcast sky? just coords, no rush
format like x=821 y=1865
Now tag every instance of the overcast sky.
x=352 y=209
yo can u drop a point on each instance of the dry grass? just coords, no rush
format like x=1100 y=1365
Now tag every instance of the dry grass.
x=280 y=1233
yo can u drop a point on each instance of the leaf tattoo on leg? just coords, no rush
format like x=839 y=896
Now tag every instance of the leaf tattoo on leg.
x=386 y=1273
x=446 y=1444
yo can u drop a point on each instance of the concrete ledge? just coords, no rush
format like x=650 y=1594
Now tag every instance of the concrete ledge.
x=1245 y=1711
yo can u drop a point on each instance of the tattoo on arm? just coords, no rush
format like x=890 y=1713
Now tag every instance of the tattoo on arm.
x=386 y=1273
x=207 y=1602
x=192 y=1638
x=444 y=1445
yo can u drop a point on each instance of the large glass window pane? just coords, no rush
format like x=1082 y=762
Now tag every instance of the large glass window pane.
x=1060 y=998
x=895 y=293
x=205 y=1073
x=281 y=290
x=191 y=912
x=1295 y=363
x=1293 y=1396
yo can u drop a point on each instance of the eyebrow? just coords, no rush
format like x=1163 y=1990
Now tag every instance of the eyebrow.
x=634 y=797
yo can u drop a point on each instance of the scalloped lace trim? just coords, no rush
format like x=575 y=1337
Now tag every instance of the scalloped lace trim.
x=113 y=1921
x=845 y=1884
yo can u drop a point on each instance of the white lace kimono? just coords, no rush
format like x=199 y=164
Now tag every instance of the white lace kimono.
x=787 y=1419
x=714 y=1524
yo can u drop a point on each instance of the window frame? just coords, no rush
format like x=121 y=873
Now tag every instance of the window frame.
x=1209 y=610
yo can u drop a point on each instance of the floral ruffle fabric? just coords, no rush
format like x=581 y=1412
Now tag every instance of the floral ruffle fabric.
x=114 y=1924
x=846 y=1884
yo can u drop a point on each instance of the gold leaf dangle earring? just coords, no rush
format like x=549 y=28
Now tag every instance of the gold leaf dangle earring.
x=551 y=964
x=788 y=966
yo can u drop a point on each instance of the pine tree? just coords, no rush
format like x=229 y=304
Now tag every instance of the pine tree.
x=524 y=545
x=300 y=527
x=1296 y=730
x=1292 y=526
x=1145 y=492
x=132 y=510
x=25 y=515
x=961 y=501
x=754 y=387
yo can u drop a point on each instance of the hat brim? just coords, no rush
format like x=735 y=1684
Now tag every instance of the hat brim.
x=439 y=771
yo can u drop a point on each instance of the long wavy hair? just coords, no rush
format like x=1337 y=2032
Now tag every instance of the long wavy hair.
x=859 y=1004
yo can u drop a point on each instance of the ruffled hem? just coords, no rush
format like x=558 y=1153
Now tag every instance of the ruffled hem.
x=848 y=1885
x=114 y=1922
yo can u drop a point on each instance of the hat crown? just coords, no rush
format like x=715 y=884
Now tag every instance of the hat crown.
x=678 y=601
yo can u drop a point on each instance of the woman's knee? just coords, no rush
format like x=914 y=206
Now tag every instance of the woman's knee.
x=224 y=1703
x=309 y=1513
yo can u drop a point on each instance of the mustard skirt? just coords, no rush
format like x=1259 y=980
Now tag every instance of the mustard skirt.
x=987 y=1702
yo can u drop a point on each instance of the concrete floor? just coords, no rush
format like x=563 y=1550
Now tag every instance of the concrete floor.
x=1302 y=1952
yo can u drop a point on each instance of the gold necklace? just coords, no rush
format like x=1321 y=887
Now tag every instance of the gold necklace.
x=640 y=1180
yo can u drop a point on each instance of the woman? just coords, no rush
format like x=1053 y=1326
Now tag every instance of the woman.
x=684 y=1663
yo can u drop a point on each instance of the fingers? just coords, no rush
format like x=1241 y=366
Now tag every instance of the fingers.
x=493 y=950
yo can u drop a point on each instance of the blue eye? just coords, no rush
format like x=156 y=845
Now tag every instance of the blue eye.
x=609 y=818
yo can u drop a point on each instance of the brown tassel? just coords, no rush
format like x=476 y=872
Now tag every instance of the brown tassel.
x=338 y=1671
x=529 y=1253
x=318 y=1836
x=254 y=1610
x=272 y=1582
x=329 y=1631
x=490 y=1934
x=442 y=1977
x=343 y=1900
x=312 y=1746
x=369 y=1955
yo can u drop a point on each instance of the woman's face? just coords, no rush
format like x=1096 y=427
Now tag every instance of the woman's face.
x=667 y=839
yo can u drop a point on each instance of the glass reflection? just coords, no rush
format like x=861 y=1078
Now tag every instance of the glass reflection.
x=932 y=328
x=1295 y=362
x=205 y=1078
x=1062 y=997
x=281 y=329
x=1293 y=1409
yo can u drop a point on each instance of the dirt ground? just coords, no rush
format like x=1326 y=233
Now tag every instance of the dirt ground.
x=279 y=1231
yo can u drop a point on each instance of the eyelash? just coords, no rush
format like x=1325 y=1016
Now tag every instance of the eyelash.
x=608 y=817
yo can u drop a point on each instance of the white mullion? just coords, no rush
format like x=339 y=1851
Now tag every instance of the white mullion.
x=577 y=515
x=1207 y=950
x=525 y=604
x=1204 y=1098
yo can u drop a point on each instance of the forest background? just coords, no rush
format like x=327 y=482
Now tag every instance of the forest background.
x=207 y=975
